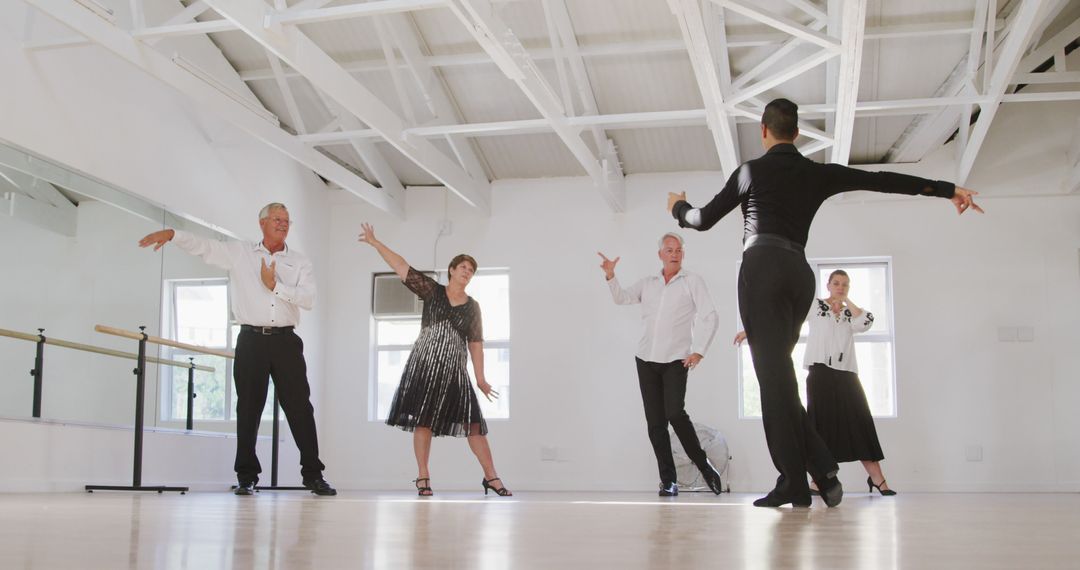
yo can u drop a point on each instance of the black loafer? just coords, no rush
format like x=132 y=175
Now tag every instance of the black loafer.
x=320 y=487
x=668 y=489
x=774 y=499
x=244 y=489
x=712 y=477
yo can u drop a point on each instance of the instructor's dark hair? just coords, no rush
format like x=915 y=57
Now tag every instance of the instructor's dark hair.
x=781 y=117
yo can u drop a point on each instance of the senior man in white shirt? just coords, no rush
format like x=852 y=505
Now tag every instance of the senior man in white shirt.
x=680 y=323
x=270 y=284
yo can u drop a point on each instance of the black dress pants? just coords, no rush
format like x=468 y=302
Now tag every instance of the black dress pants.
x=281 y=356
x=776 y=287
x=663 y=392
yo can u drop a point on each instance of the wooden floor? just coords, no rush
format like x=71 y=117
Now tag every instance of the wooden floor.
x=534 y=530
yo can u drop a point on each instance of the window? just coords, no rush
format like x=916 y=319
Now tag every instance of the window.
x=871 y=289
x=396 y=317
x=197 y=312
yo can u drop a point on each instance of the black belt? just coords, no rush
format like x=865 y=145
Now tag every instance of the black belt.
x=266 y=330
x=772 y=240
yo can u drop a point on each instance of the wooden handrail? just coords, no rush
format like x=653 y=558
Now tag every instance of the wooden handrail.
x=162 y=341
x=102 y=350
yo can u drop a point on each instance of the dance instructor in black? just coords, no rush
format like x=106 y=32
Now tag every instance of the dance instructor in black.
x=779 y=194
x=435 y=396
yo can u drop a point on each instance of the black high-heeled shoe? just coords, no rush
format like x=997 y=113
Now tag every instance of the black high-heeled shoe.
x=501 y=491
x=884 y=492
x=424 y=490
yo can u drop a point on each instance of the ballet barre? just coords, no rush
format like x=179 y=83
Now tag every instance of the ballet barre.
x=38 y=371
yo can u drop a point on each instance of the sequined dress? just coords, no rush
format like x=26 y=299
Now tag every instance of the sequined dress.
x=435 y=390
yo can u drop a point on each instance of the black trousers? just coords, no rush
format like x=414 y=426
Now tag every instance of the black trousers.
x=663 y=392
x=776 y=287
x=258 y=357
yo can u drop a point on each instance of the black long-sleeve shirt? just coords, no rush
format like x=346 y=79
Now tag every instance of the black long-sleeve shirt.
x=781 y=192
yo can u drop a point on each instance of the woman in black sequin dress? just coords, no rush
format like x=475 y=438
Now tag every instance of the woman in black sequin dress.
x=435 y=397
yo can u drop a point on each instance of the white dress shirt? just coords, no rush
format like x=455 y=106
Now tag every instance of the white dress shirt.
x=832 y=337
x=668 y=311
x=252 y=302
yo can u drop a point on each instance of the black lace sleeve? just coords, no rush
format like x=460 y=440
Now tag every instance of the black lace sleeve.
x=421 y=284
x=476 y=324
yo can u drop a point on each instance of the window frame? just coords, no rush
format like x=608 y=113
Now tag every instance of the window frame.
x=888 y=336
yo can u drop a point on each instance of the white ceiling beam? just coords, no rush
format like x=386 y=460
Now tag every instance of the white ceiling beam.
x=209 y=97
x=296 y=120
x=437 y=95
x=1051 y=47
x=629 y=49
x=337 y=13
x=690 y=118
x=775 y=56
x=692 y=25
x=716 y=32
x=500 y=42
x=609 y=158
x=325 y=74
x=929 y=132
x=373 y=159
x=794 y=70
x=395 y=75
x=853 y=21
x=811 y=9
x=1019 y=35
x=40 y=214
x=974 y=55
x=782 y=23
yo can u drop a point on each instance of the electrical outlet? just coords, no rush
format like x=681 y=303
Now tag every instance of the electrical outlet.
x=1025 y=334
x=548 y=453
x=973 y=453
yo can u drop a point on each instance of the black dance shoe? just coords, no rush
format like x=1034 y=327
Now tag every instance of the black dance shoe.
x=833 y=493
x=774 y=499
x=501 y=491
x=320 y=487
x=245 y=489
x=884 y=492
x=668 y=489
x=712 y=477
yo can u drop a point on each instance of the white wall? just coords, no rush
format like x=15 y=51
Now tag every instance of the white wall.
x=85 y=108
x=574 y=386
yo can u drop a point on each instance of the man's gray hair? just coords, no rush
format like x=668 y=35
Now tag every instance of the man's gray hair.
x=677 y=237
x=265 y=212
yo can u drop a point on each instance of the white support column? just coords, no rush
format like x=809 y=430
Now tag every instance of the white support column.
x=1016 y=42
x=853 y=22
x=692 y=25
x=716 y=33
x=208 y=96
x=303 y=55
x=503 y=46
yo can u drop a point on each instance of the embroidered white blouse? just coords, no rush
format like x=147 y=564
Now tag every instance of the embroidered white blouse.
x=832 y=336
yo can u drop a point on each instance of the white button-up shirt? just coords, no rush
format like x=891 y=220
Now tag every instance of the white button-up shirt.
x=832 y=337
x=252 y=302
x=679 y=316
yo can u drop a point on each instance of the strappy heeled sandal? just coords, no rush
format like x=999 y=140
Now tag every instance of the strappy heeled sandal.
x=501 y=491
x=423 y=491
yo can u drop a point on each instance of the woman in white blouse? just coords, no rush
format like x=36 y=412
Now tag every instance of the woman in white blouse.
x=836 y=402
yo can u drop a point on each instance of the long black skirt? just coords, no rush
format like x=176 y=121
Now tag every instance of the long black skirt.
x=837 y=407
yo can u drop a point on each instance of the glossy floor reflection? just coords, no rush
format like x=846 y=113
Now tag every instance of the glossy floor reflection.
x=534 y=530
